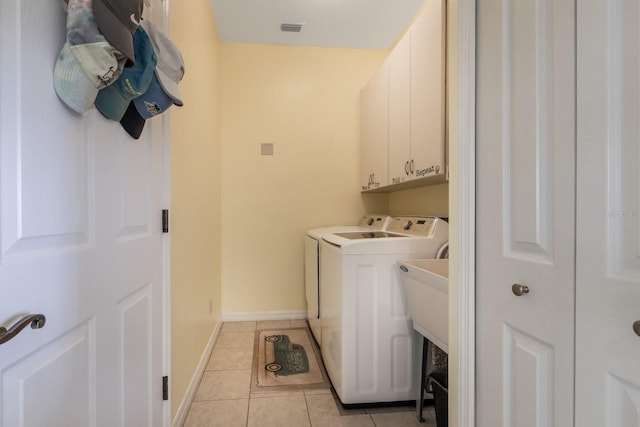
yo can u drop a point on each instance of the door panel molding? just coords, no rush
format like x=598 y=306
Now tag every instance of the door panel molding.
x=623 y=403
x=34 y=221
x=524 y=353
x=623 y=154
x=134 y=162
x=31 y=382
x=528 y=160
x=136 y=333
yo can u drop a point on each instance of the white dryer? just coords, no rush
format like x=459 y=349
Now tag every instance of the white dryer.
x=368 y=344
x=312 y=256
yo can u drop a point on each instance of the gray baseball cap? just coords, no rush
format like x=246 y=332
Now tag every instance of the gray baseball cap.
x=118 y=20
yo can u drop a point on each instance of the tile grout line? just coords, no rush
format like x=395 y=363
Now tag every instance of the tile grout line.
x=246 y=423
x=253 y=354
x=306 y=404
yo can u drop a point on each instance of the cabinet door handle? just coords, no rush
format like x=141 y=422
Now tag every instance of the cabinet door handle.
x=411 y=167
x=406 y=167
x=636 y=327
x=37 y=321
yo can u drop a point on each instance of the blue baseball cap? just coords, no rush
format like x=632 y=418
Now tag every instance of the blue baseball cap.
x=153 y=102
x=114 y=100
x=163 y=91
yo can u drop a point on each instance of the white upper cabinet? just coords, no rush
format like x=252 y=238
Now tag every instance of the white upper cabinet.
x=428 y=73
x=400 y=111
x=415 y=104
x=374 y=110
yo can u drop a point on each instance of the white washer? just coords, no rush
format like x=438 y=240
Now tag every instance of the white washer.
x=312 y=263
x=368 y=344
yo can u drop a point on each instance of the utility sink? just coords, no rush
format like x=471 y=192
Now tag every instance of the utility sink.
x=425 y=283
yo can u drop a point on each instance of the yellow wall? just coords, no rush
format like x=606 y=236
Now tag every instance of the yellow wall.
x=304 y=101
x=430 y=200
x=195 y=194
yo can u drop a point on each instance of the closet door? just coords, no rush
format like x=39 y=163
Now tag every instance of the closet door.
x=608 y=221
x=525 y=212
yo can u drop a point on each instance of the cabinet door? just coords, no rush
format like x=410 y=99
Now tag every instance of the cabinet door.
x=374 y=110
x=399 y=114
x=525 y=213
x=428 y=89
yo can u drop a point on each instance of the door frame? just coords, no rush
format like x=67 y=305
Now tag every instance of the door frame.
x=166 y=270
x=465 y=217
x=166 y=245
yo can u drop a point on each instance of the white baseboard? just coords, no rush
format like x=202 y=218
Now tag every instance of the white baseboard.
x=265 y=315
x=183 y=410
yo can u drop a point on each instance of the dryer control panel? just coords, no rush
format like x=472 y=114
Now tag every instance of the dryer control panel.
x=375 y=222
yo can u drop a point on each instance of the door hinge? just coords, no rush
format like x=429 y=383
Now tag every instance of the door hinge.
x=165 y=220
x=165 y=388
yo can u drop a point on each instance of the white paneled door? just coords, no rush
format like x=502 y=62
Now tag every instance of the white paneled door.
x=525 y=213
x=608 y=219
x=80 y=242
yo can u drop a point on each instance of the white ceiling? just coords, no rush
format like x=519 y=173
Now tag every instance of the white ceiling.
x=330 y=23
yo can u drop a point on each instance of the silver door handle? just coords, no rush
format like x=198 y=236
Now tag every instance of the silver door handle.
x=37 y=321
x=636 y=327
x=519 y=290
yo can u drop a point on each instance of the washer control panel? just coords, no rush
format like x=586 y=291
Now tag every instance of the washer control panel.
x=414 y=225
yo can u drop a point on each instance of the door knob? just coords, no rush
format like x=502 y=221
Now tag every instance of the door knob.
x=636 y=327
x=519 y=290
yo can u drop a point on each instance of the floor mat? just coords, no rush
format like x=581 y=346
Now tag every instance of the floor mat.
x=287 y=359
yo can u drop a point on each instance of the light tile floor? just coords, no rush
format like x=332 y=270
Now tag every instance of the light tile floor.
x=224 y=397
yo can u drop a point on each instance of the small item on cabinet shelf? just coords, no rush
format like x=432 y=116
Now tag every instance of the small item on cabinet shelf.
x=87 y=62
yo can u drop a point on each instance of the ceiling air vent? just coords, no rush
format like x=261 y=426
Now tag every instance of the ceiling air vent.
x=292 y=28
